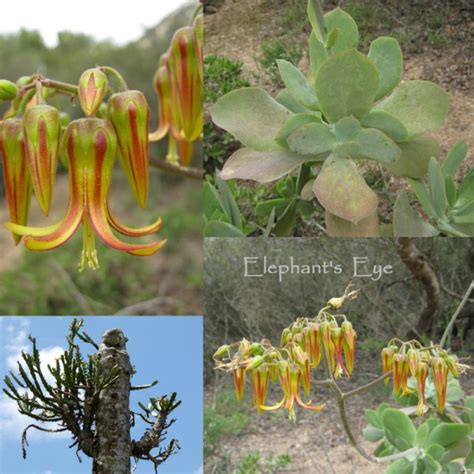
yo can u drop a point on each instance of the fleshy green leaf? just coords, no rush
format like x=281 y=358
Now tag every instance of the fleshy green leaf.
x=297 y=84
x=407 y=222
x=264 y=167
x=252 y=116
x=346 y=128
x=286 y=222
x=265 y=208
x=454 y=159
x=316 y=18
x=437 y=189
x=317 y=54
x=386 y=123
x=402 y=466
x=423 y=197
x=399 y=429
x=372 y=434
x=375 y=145
x=337 y=227
x=436 y=451
x=373 y=419
x=451 y=192
x=448 y=434
x=311 y=139
x=221 y=229
x=347 y=31
x=458 y=450
x=284 y=98
x=346 y=84
x=295 y=122
x=388 y=57
x=422 y=435
x=466 y=190
x=231 y=207
x=415 y=157
x=420 y=105
x=342 y=191
x=211 y=200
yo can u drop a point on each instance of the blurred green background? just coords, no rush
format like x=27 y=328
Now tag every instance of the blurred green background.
x=49 y=282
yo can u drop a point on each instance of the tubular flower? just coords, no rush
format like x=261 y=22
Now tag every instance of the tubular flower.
x=315 y=342
x=42 y=129
x=199 y=37
x=90 y=147
x=440 y=375
x=290 y=379
x=387 y=361
x=421 y=376
x=15 y=172
x=326 y=336
x=184 y=68
x=129 y=113
x=349 y=337
x=259 y=379
x=302 y=359
x=413 y=361
x=92 y=89
x=162 y=85
x=239 y=382
x=400 y=374
x=336 y=336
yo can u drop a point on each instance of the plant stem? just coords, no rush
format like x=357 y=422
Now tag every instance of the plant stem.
x=450 y=325
x=192 y=173
x=61 y=86
x=120 y=80
x=365 y=387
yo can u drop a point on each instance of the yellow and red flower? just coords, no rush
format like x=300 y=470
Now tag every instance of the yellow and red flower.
x=259 y=379
x=239 y=382
x=349 y=337
x=421 y=376
x=440 y=376
x=93 y=86
x=90 y=146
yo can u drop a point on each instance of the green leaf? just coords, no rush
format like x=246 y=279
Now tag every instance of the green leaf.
x=420 y=106
x=385 y=52
x=252 y=116
x=454 y=392
x=342 y=191
x=453 y=468
x=264 y=166
x=415 y=157
x=422 y=435
x=347 y=34
x=332 y=37
x=265 y=208
x=375 y=145
x=293 y=123
x=311 y=139
x=347 y=128
x=373 y=419
x=469 y=406
x=466 y=190
x=211 y=200
x=423 y=197
x=316 y=18
x=297 y=84
x=383 y=449
x=436 y=451
x=431 y=465
x=221 y=229
x=407 y=222
x=458 y=450
x=448 y=434
x=317 y=54
x=402 y=466
x=284 y=98
x=286 y=222
x=454 y=159
x=451 y=192
x=231 y=207
x=305 y=208
x=437 y=189
x=346 y=84
x=372 y=434
x=399 y=429
x=386 y=123
x=337 y=227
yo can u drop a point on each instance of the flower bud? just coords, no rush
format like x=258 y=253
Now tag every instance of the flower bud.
x=284 y=337
x=162 y=85
x=315 y=335
x=129 y=113
x=15 y=171
x=326 y=336
x=452 y=363
x=244 y=346
x=413 y=360
x=8 y=90
x=42 y=129
x=254 y=362
x=336 y=303
x=221 y=351
x=93 y=86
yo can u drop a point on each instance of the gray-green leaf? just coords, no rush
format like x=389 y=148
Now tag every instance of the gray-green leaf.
x=297 y=84
x=407 y=222
x=311 y=139
x=387 y=123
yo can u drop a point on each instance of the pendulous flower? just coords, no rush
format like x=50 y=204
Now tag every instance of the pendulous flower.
x=387 y=361
x=259 y=379
x=239 y=382
x=129 y=113
x=42 y=130
x=440 y=376
x=90 y=146
x=15 y=172
x=349 y=337
x=93 y=86
x=421 y=376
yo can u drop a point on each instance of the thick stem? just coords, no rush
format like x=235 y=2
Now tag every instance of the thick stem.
x=451 y=323
x=113 y=413
x=118 y=77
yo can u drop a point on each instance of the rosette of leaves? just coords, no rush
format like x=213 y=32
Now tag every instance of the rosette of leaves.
x=352 y=107
x=435 y=446
x=448 y=206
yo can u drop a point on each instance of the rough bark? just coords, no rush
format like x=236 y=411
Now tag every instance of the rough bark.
x=113 y=413
x=421 y=268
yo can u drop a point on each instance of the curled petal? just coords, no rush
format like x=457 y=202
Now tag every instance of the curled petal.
x=130 y=232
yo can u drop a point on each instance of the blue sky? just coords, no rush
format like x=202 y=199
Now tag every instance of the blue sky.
x=165 y=348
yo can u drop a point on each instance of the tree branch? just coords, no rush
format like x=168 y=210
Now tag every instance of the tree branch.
x=187 y=172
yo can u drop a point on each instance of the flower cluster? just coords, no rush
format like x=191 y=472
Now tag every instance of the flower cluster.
x=404 y=359
x=33 y=135
x=303 y=346
x=178 y=82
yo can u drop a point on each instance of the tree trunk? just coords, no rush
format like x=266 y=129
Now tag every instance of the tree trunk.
x=113 y=444
x=421 y=268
